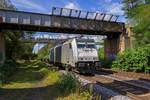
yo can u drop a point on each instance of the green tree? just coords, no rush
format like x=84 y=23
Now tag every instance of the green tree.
x=44 y=52
x=138 y=14
x=15 y=49
x=6 y=4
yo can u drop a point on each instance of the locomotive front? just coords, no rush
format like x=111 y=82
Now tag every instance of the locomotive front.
x=87 y=55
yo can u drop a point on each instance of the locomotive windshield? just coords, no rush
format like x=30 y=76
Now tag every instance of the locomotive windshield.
x=85 y=43
x=81 y=45
x=90 y=46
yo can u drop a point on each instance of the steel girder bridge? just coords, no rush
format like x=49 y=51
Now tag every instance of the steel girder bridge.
x=64 y=20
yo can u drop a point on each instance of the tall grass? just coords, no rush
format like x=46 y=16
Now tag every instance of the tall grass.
x=68 y=83
x=7 y=69
x=35 y=75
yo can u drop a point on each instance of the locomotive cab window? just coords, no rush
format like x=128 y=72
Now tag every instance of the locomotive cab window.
x=90 y=46
x=81 y=45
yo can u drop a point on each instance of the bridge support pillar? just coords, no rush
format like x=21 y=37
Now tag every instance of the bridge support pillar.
x=113 y=45
x=2 y=48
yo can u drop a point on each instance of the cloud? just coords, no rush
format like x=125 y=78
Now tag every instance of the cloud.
x=112 y=7
x=115 y=8
x=28 y=4
x=72 y=5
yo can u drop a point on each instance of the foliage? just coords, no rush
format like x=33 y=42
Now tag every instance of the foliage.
x=101 y=54
x=134 y=59
x=44 y=52
x=15 y=49
x=9 y=35
x=7 y=69
x=105 y=63
x=6 y=4
x=29 y=56
x=142 y=28
x=35 y=77
x=68 y=83
x=137 y=12
x=29 y=74
x=108 y=63
x=85 y=95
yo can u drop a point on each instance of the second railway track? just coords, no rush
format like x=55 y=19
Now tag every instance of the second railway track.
x=134 y=91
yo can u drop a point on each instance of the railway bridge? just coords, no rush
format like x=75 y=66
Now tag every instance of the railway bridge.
x=63 y=20
x=56 y=38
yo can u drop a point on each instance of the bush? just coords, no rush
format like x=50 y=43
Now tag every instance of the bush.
x=101 y=54
x=68 y=83
x=29 y=56
x=134 y=59
x=7 y=69
x=108 y=63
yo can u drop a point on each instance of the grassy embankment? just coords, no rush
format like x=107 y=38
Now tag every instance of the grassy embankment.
x=34 y=81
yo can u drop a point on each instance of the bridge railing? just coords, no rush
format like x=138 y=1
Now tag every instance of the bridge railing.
x=84 y=14
x=60 y=20
x=18 y=17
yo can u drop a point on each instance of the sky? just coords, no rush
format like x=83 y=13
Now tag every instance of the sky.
x=45 y=6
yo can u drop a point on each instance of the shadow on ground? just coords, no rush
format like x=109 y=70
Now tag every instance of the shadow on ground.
x=104 y=72
x=41 y=93
x=31 y=82
x=28 y=72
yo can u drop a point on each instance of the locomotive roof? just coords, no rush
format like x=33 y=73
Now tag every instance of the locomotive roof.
x=78 y=40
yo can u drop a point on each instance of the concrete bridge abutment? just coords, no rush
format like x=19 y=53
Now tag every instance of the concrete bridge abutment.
x=114 y=44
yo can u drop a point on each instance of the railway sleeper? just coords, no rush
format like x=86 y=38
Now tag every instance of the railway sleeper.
x=121 y=91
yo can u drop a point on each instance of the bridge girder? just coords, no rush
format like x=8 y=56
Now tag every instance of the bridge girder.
x=27 y=21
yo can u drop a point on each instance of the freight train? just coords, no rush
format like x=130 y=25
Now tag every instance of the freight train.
x=78 y=54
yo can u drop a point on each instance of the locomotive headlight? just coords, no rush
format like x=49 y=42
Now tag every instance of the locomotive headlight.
x=80 y=58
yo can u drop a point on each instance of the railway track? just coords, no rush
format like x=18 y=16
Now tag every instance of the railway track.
x=134 y=91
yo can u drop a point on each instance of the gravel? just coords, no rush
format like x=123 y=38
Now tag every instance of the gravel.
x=106 y=94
